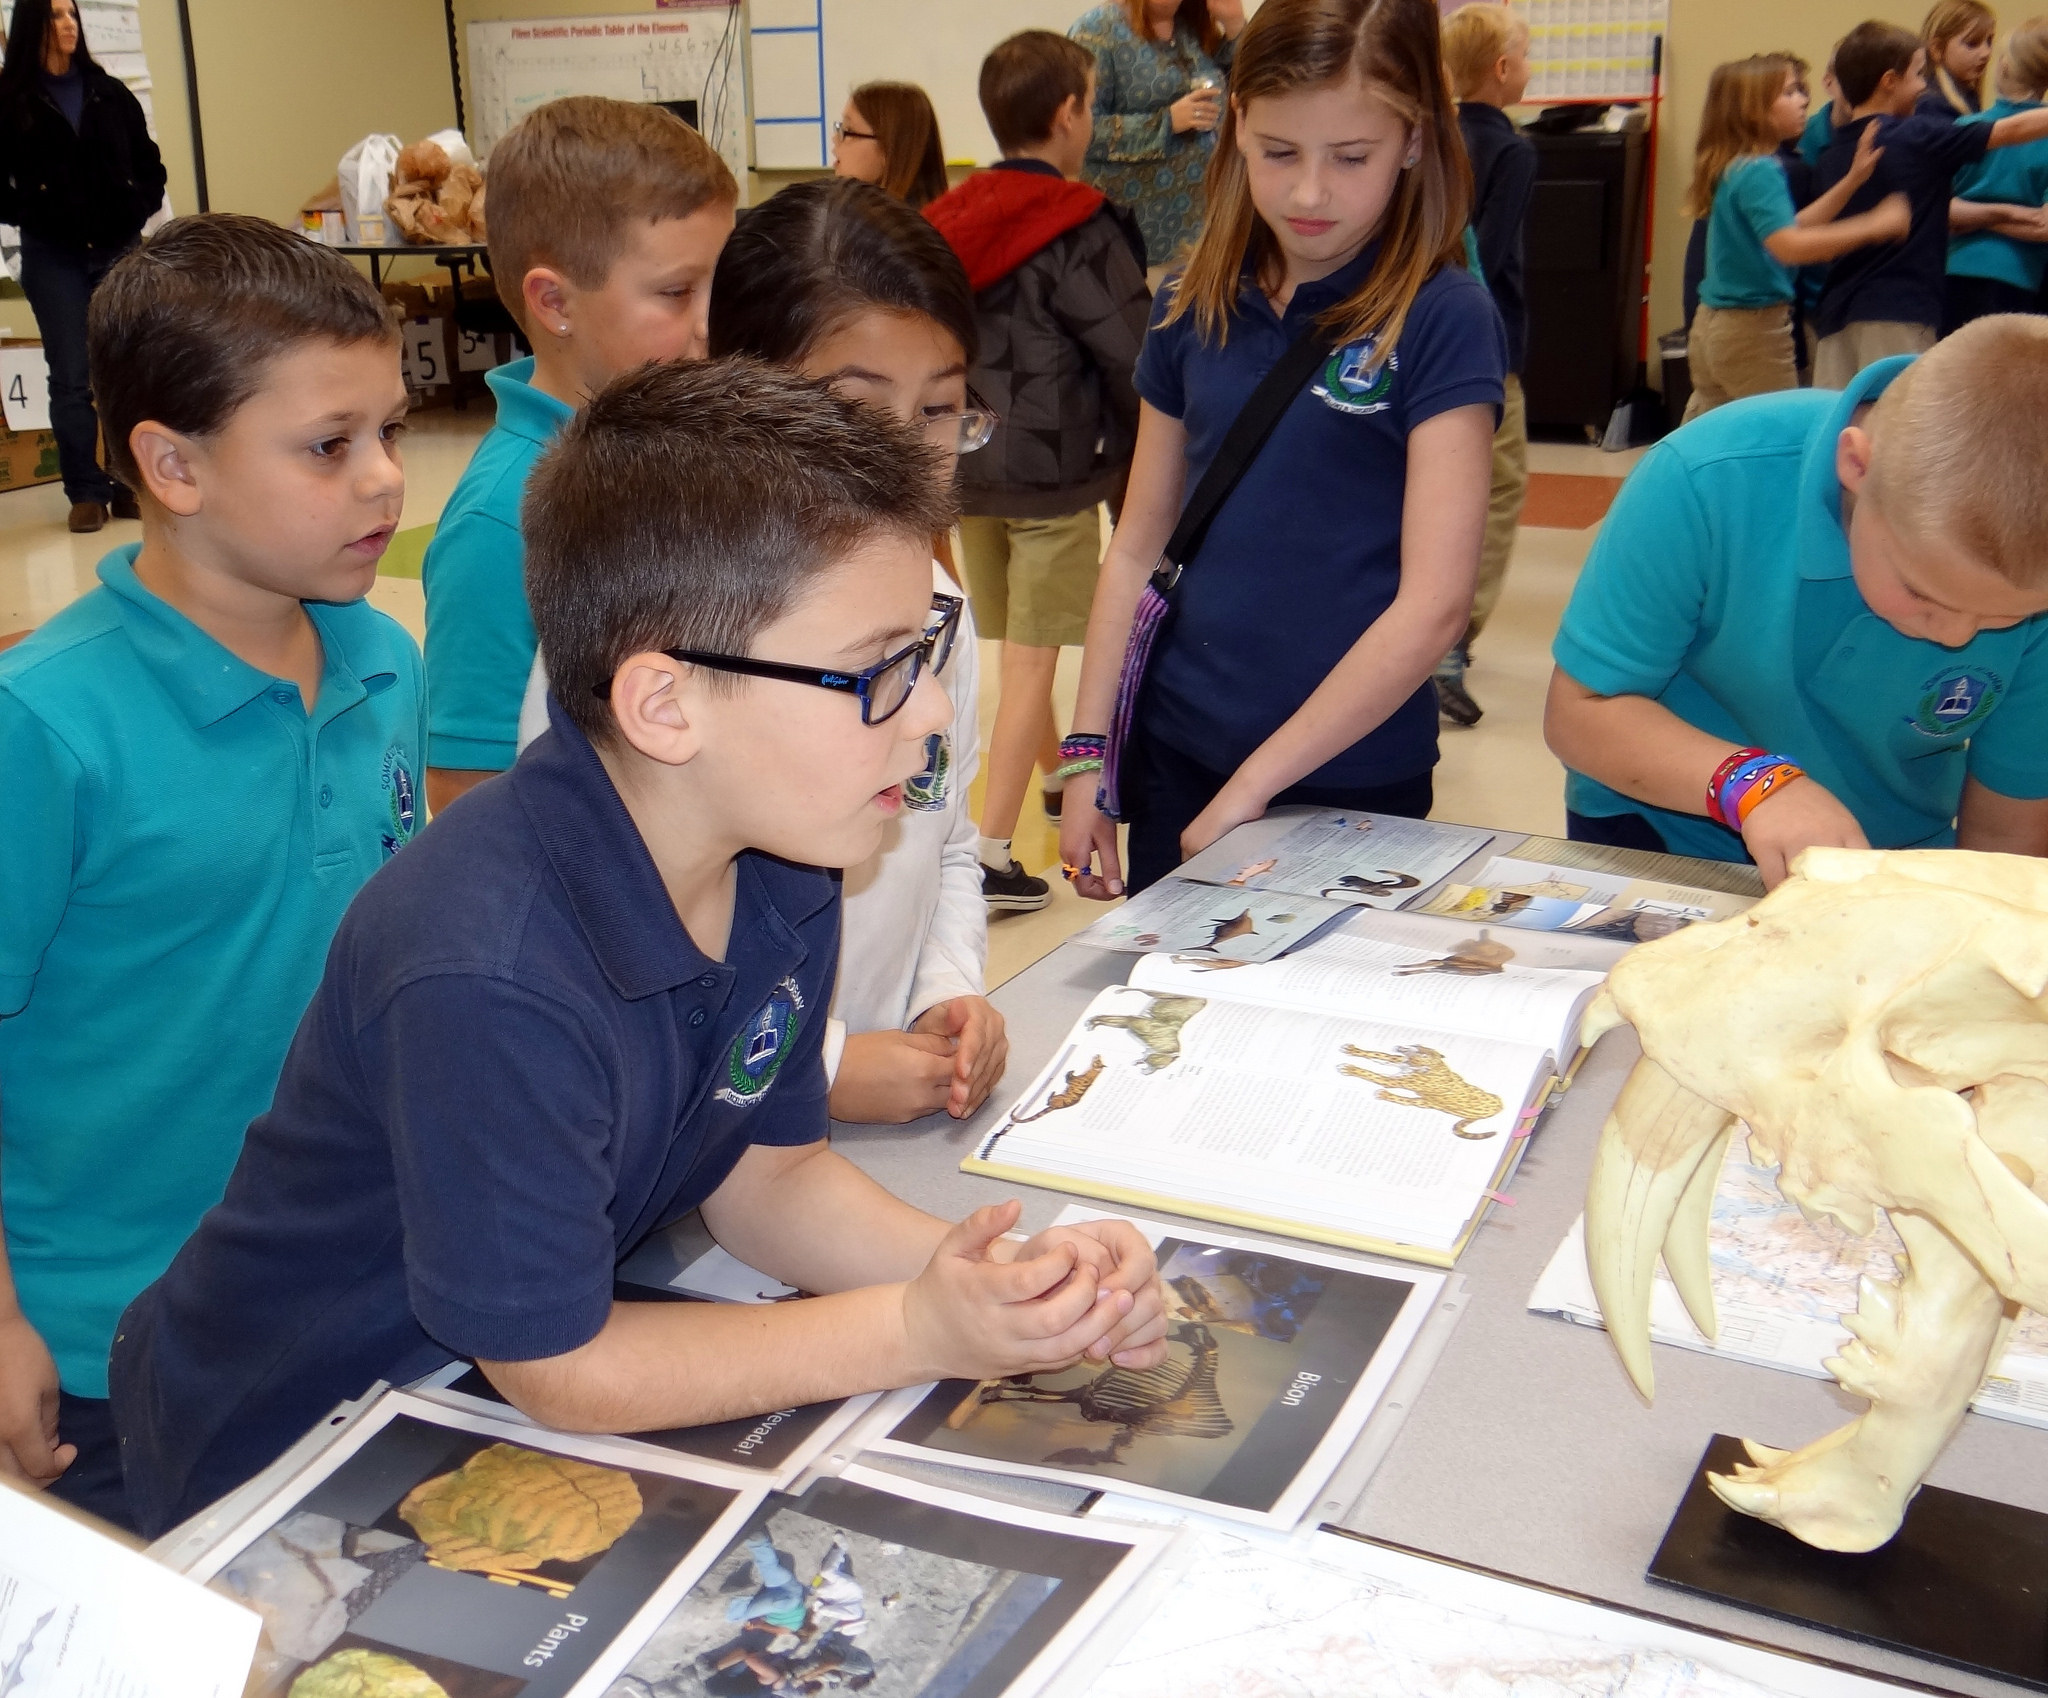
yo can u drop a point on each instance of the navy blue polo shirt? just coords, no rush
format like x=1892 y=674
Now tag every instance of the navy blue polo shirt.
x=516 y=1067
x=1306 y=553
x=1896 y=282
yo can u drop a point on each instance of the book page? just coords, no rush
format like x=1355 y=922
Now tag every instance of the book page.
x=1737 y=878
x=1378 y=860
x=1474 y=986
x=82 y=1616
x=1301 y=1116
x=1543 y=896
x=1207 y=924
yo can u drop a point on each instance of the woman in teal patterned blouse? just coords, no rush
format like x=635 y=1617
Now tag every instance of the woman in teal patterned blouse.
x=1160 y=72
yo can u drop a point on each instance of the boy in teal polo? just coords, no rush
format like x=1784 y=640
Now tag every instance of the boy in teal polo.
x=203 y=760
x=606 y=221
x=1815 y=618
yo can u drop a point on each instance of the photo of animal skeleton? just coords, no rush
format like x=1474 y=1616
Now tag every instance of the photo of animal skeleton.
x=1879 y=1025
x=1263 y=1350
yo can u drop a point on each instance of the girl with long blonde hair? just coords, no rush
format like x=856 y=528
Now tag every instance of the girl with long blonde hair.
x=2000 y=265
x=1294 y=663
x=1957 y=35
x=1741 y=342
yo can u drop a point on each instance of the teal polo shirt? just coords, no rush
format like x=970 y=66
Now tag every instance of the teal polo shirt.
x=480 y=640
x=1751 y=201
x=1720 y=586
x=2017 y=176
x=182 y=837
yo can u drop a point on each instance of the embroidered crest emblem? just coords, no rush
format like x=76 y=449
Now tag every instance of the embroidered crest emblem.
x=400 y=810
x=757 y=1053
x=1956 y=701
x=925 y=791
x=1356 y=379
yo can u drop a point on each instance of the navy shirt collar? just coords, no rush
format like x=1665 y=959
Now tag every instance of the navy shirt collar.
x=1312 y=298
x=613 y=886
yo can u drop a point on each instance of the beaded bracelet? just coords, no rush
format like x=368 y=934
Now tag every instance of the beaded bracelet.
x=1074 y=768
x=1745 y=780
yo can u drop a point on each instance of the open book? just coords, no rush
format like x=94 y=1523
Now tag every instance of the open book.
x=1369 y=1090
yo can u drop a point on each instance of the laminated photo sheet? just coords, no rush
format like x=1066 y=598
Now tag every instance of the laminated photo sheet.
x=1202 y=923
x=871 y=1581
x=1377 y=860
x=1736 y=878
x=1781 y=1285
x=1544 y=896
x=83 y=1616
x=1276 y=1357
x=1230 y=1610
x=434 y=1544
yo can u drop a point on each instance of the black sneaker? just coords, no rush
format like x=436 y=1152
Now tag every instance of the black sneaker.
x=1453 y=700
x=1013 y=890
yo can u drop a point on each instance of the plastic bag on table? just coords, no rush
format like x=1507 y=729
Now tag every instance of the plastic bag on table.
x=365 y=178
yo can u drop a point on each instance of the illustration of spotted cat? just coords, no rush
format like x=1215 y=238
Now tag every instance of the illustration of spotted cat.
x=1428 y=1082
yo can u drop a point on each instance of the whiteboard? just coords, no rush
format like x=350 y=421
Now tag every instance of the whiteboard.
x=686 y=53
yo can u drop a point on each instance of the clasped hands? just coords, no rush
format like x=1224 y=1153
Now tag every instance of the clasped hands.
x=988 y=1307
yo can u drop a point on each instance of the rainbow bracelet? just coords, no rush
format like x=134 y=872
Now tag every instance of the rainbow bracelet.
x=1743 y=781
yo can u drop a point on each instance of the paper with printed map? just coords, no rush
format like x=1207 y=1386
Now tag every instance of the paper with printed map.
x=1781 y=1282
x=1232 y=1614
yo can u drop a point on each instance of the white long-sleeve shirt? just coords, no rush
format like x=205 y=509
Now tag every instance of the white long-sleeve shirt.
x=914 y=930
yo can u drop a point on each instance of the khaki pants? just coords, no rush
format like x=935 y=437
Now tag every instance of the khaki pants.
x=1503 y=504
x=1738 y=351
x=1841 y=356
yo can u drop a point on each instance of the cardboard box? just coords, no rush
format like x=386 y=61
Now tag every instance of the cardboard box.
x=437 y=355
x=27 y=457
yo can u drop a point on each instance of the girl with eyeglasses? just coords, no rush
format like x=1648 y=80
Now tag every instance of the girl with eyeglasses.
x=845 y=283
x=889 y=136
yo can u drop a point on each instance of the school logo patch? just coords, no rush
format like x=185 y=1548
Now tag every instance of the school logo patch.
x=1356 y=379
x=925 y=791
x=399 y=806
x=1955 y=701
x=757 y=1053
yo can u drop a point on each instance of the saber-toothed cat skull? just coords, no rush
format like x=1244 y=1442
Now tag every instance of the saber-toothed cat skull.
x=1878 y=1023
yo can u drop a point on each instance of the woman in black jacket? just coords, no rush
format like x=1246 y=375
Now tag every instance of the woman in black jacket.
x=79 y=176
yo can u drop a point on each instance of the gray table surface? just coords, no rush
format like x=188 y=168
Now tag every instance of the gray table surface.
x=1528 y=1452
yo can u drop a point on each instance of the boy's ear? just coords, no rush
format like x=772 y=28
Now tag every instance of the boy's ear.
x=165 y=458
x=655 y=705
x=548 y=297
x=1852 y=459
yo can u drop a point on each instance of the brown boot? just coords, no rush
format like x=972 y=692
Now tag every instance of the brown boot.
x=125 y=506
x=87 y=516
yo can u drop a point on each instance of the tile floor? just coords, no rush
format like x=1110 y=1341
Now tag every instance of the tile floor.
x=1497 y=773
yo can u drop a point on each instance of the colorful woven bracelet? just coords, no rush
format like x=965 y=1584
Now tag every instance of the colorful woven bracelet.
x=1074 y=768
x=1077 y=745
x=1722 y=773
x=1752 y=787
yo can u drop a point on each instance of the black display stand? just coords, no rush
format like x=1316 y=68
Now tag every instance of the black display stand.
x=1965 y=1581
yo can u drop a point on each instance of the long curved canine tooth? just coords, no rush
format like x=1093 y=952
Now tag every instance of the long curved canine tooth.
x=1749 y=1496
x=1652 y=1144
x=1763 y=1455
x=1686 y=1257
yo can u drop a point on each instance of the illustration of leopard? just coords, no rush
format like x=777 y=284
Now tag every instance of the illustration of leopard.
x=1429 y=1082
x=1077 y=1085
x=1158 y=1028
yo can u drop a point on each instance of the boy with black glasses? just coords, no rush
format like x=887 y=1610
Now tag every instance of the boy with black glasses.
x=592 y=998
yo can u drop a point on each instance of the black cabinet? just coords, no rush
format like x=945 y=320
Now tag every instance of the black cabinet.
x=1585 y=269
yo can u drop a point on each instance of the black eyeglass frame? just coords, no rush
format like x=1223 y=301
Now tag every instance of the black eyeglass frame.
x=935 y=648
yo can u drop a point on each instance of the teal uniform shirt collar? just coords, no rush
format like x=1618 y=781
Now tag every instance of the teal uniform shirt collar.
x=205 y=679
x=1823 y=538
x=524 y=410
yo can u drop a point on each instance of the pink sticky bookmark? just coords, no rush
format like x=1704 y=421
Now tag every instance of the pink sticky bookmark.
x=1499 y=1197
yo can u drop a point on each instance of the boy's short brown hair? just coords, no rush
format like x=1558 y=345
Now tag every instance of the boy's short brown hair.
x=1026 y=80
x=1867 y=52
x=1958 y=443
x=570 y=177
x=1475 y=39
x=691 y=504
x=183 y=326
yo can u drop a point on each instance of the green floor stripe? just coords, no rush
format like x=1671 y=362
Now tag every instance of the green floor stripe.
x=408 y=548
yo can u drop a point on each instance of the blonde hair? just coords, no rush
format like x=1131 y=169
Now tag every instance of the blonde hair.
x=1392 y=47
x=1946 y=21
x=1957 y=443
x=2023 y=67
x=570 y=178
x=1736 y=122
x=1476 y=38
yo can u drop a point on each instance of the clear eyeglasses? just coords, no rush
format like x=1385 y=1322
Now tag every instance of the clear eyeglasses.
x=882 y=688
x=972 y=426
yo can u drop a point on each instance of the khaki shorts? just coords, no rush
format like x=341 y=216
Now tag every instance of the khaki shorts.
x=1841 y=356
x=1032 y=580
x=1738 y=352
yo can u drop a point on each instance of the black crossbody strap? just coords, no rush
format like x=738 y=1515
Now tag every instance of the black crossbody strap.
x=1247 y=435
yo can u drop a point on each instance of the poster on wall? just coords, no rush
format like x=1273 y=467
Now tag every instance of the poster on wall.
x=112 y=33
